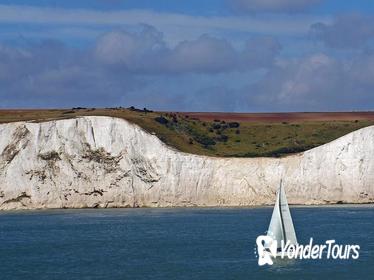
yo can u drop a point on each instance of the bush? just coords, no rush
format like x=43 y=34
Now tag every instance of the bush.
x=222 y=138
x=237 y=131
x=204 y=140
x=146 y=110
x=234 y=124
x=134 y=109
x=216 y=126
x=161 y=120
x=287 y=150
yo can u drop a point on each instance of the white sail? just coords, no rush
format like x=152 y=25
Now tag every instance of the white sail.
x=281 y=225
x=275 y=227
x=287 y=220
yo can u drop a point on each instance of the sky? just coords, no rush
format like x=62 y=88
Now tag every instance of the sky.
x=172 y=55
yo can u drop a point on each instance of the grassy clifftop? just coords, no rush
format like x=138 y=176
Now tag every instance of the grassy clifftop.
x=223 y=134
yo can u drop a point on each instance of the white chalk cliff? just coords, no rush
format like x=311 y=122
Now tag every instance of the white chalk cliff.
x=109 y=162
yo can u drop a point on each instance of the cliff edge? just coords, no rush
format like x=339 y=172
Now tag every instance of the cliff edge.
x=109 y=162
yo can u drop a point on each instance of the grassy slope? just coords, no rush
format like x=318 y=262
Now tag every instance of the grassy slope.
x=215 y=138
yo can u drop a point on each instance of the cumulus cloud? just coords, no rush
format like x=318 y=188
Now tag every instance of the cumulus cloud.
x=205 y=54
x=345 y=32
x=273 y=6
x=361 y=74
x=126 y=68
x=261 y=51
x=134 y=51
x=121 y=71
x=315 y=82
x=147 y=52
x=50 y=74
x=118 y=67
x=301 y=82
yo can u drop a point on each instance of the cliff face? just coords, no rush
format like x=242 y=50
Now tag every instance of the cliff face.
x=108 y=162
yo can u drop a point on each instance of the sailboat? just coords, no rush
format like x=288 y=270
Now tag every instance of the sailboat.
x=281 y=225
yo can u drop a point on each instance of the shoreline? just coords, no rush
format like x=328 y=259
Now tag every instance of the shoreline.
x=337 y=205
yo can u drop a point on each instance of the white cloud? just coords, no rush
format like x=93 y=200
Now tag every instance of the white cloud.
x=316 y=82
x=133 y=64
x=52 y=75
x=123 y=47
x=146 y=52
x=205 y=54
x=350 y=31
x=121 y=64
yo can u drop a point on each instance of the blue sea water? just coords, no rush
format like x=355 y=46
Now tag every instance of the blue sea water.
x=193 y=243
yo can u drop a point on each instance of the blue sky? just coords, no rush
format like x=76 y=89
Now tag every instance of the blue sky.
x=213 y=55
x=196 y=7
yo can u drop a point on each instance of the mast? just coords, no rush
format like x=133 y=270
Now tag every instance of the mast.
x=280 y=212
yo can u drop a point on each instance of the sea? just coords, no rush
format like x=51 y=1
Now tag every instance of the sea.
x=176 y=243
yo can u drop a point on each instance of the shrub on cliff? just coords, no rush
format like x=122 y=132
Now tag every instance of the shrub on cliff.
x=216 y=126
x=234 y=124
x=204 y=140
x=161 y=120
x=222 y=138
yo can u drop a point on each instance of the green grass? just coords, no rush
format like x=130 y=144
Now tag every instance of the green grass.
x=250 y=139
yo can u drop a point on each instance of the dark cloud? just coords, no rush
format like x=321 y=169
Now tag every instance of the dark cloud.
x=272 y=6
x=346 y=32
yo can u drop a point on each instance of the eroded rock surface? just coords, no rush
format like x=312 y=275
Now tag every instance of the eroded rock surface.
x=109 y=162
